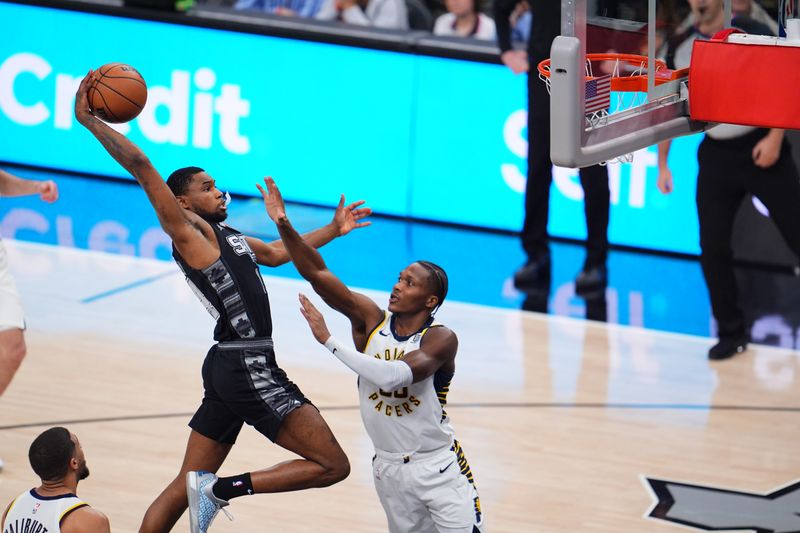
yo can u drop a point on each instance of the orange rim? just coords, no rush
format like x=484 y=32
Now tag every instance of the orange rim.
x=622 y=83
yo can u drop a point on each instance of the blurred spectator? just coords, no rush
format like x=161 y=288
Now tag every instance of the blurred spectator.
x=464 y=19
x=391 y=14
x=290 y=8
x=739 y=8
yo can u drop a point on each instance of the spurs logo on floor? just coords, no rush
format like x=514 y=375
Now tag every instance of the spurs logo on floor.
x=717 y=509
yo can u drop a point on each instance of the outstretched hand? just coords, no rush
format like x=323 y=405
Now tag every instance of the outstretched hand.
x=315 y=319
x=82 y=111
x=346 y=218
x=48 y=191
x=273 y=200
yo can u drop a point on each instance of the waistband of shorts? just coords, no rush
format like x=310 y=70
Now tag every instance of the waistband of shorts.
x=412 y=457
x=239 y=344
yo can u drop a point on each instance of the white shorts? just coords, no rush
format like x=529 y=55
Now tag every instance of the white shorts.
x=11 y=315
x=428 y=493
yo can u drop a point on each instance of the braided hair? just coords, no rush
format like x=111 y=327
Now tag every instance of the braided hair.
x=438 y=278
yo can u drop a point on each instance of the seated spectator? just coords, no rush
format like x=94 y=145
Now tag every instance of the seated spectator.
x=464 y=19
x=290 y=8
x=390 y=14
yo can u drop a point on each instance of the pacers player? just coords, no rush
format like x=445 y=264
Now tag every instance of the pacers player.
x=12 y=321
x=241 y=378
x=57 y=458
x=405 y=361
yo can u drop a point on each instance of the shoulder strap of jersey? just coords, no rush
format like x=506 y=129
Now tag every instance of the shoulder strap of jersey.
x=70 y=509
x=10 y=507
x=377 y=328
x=434 y=325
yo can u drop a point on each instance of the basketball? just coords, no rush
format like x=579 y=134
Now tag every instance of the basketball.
x=118 y=93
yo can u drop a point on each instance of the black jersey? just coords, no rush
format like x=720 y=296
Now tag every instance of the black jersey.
x=231 y=289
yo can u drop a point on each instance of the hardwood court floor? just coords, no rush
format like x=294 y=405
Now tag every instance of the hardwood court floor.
x=560 y=418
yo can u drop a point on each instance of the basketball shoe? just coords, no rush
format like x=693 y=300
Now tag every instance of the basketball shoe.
x=203 y=505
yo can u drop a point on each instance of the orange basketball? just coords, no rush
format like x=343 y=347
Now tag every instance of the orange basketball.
x=118 y=93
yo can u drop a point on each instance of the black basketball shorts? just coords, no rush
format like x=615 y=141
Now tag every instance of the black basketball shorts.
x=242 y=383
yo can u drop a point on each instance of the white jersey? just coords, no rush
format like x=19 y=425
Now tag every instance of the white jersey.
x=411 y=419
x=32 y=513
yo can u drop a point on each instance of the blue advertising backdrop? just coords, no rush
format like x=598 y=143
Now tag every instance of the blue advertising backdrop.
x=426 y=137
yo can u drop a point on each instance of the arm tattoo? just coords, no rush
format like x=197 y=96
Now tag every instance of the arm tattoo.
x=125 y=152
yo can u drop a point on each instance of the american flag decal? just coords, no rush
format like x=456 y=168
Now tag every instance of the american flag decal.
x=598 y=94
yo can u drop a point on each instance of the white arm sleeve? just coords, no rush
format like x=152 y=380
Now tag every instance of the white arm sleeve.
x=388 y=375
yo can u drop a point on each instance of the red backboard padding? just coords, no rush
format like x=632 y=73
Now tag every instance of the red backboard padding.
x=750 y=84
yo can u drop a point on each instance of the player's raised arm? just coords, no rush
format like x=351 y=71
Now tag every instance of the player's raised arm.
x=186 y=231
x=362 y=312
x=132 y=159
x=345 y=219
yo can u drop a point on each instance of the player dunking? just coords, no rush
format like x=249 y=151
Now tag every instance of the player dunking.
x=405 y=361
x=241 y=379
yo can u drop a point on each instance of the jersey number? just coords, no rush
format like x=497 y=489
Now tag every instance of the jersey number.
x=402 y=393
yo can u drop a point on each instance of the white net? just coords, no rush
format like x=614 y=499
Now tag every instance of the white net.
x=618 y=100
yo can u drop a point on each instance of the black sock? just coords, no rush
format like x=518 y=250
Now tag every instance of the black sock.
x=232 y=487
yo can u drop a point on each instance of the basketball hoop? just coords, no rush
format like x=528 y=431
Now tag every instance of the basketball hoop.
x=628 y=74
x=628 y=71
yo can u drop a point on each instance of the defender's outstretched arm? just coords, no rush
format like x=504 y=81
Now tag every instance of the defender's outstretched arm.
x=362 y=311
x=345 y=219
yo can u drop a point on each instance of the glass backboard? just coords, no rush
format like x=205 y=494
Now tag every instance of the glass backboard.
x=658 y=110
